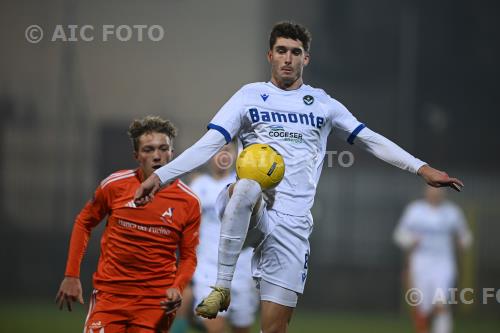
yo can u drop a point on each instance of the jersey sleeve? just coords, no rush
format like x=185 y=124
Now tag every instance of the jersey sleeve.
x=187 y=249
x=345 y=125
x=196 y=155
x=228 y=120
x=349 y=128
x=89 y=217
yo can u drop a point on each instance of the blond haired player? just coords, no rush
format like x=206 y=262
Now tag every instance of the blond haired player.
x=137 y=285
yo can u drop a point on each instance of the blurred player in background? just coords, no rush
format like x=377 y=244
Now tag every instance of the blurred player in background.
x=138 y=284
x=429 y=231
x=244 y=302
x=296 y=120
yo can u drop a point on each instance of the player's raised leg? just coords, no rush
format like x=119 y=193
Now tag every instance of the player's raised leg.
x=245 y=196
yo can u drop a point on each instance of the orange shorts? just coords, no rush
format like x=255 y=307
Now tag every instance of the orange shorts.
x=112 y=313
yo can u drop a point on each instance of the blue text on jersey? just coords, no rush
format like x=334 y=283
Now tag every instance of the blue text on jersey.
x=278 y=117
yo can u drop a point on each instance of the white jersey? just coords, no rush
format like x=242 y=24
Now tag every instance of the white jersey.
x=297 y=124
x=207 y=189
x=435 y=229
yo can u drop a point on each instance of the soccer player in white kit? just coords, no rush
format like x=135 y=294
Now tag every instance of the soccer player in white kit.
x=244 y=303
x=428 y=231
x=295 y=119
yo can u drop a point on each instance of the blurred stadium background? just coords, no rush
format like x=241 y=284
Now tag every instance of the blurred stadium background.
x=424 y=73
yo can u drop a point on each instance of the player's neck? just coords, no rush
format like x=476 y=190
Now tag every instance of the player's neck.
x=143 y=175
x=287 y=85
x=218 y=176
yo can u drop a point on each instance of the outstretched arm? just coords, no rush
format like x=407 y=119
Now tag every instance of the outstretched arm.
x=195 y=156
x=390 y=152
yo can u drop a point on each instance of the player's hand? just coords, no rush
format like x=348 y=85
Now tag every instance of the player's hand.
x=437 y=178
x=173 y=301
x=147 y=190
x=70 y=291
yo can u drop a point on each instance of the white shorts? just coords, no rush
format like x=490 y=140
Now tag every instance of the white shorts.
x=282 y=257
x=276 y=294
x=434 y=284
x=281 y=244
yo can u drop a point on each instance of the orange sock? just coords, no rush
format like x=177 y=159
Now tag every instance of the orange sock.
x=420 y=321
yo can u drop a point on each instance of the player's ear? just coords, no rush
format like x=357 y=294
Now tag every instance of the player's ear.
x=307 y=58
x=269 y=55
x=136 y=155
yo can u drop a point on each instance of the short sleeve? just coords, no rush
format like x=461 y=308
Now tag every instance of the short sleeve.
x=228 y=120
x=345 y=125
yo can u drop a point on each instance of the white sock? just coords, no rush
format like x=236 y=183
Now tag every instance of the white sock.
x=234 y=228
x=442 y=322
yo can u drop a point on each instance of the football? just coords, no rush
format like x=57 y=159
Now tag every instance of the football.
x=262 y=163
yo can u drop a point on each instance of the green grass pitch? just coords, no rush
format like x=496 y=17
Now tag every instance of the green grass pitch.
x=45 y=317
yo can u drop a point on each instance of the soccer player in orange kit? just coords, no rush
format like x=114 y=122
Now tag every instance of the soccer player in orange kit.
x=138 y=284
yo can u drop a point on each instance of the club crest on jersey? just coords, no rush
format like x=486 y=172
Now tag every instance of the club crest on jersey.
x=308 y=99
x=264 y=96
x=167 y=215
x=289 y=117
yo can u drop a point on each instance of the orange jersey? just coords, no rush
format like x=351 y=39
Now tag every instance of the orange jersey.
x=138 y=247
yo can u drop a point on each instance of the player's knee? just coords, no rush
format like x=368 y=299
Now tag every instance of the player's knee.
x=247 y=191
